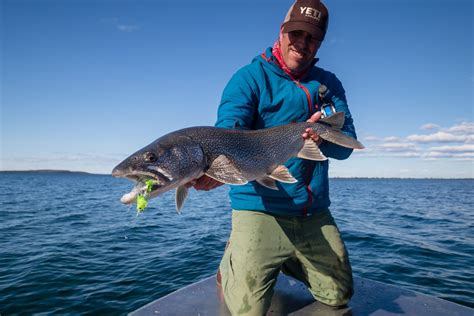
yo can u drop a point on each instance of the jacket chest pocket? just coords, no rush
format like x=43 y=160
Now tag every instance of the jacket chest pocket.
x=283 y=108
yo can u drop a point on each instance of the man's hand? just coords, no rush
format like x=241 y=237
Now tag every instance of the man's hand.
x=204 y=183
x=308 y=133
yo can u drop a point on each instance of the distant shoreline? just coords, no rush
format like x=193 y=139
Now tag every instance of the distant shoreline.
x=50 y=171
x=53 y=171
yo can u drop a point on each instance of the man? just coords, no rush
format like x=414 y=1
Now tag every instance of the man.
x=291 y=229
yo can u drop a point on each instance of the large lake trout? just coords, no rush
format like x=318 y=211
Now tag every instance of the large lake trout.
x=230 y=156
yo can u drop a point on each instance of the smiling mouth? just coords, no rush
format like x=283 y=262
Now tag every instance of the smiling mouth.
x=298 y=53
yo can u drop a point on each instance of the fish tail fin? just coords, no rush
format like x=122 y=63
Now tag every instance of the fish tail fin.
x=337 y=137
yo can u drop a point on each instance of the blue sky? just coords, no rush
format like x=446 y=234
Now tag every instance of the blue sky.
x=86 y=83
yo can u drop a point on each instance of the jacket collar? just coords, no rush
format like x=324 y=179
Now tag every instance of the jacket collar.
x=269 y=60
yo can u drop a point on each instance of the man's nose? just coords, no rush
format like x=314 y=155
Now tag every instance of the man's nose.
x=304 y=40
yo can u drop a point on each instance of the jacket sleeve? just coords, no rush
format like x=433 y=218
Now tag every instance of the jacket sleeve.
x=239 y=102
x=338 y=96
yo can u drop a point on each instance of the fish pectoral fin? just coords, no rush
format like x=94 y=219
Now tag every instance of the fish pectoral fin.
x=336 y=120
x=181 y=195
x=223 y=170
x=267 y=182
x=311 y=151
x=282 y=174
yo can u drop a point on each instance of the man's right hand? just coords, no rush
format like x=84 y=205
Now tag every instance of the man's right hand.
x=308 y=133
x=204 y=183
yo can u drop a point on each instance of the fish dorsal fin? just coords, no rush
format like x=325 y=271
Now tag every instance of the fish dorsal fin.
x=282 y=174
x=223 y=170
x=268 y=183
x=181 y=195
x=336 y=120
x=311 y=151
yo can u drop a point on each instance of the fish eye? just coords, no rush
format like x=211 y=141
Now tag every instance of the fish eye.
x=149 y=157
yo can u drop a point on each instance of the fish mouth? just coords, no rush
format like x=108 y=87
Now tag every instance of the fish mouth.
x=142 y=185
x=138 y=176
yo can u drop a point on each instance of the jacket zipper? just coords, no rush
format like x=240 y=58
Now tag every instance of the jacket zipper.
x=308 y=175
x=310 y=108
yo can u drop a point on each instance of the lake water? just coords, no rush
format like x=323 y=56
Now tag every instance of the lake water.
x=67 y=245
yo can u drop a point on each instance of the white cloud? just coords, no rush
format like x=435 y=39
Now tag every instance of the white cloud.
x=462 y=132
x=463 y=128
x=398 y=146
x=455 y=155
x=430 y=126
x=458 y=143
x=462 y=152
x=371 y=138
x=450 y=149
x=127 y=28
x=120 y=25
x=442 y=137
x=392 y=139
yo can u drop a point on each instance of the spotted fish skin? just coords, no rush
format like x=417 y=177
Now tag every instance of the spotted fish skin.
x=228 y=155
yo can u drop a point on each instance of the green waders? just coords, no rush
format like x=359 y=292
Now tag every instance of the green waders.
x=261 y=245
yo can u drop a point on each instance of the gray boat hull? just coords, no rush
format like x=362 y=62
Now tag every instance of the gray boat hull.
x=291 y=297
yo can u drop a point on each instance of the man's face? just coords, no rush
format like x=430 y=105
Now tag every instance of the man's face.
x=298 y=49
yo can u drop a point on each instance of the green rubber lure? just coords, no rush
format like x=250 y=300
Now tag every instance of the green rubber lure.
x=149 y=185
x=142 y=199
x=142 y=203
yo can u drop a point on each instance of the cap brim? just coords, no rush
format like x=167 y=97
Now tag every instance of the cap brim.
x=304 y=26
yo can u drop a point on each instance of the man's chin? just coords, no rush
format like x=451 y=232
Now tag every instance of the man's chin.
x=297 y=67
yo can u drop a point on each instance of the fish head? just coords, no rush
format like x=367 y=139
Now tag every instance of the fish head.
x=168 y=163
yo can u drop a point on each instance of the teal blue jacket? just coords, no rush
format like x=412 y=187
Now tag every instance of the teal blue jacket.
x=262 y=95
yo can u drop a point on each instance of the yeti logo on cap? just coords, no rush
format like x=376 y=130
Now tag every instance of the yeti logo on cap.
x=307 y=15
x=311 y=13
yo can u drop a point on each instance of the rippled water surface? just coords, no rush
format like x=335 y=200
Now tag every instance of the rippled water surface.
x=67 y=245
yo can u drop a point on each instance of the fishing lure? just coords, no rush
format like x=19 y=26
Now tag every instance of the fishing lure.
x=142 y=199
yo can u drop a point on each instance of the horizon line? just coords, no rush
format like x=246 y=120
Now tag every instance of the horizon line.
x=334 y=177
